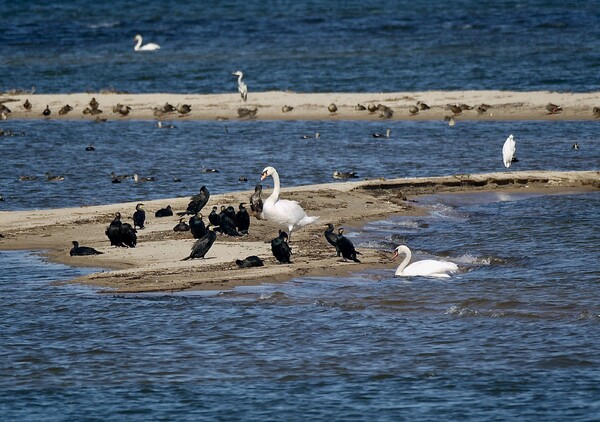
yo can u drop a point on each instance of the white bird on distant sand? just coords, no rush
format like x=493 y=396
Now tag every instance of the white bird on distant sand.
x=282 y=212
x=427 y=267
x=242 y=88
x=508 y=151
x=148 y=47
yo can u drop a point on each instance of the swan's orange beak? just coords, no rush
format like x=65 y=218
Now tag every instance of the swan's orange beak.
x=395 y=255
x=263 y=176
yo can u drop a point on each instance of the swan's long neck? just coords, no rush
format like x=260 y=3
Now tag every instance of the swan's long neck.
x=276 y=187
x=405 y=261
x=138 y=45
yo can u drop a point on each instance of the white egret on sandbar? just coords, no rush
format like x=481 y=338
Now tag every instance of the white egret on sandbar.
x=508 y=151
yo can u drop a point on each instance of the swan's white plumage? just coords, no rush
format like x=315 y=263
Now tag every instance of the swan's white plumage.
x=286 y=214
x=147 y=47
x=427 y=267
x=508 y=151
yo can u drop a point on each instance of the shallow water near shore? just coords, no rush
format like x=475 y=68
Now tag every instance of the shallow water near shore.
x=513 y=335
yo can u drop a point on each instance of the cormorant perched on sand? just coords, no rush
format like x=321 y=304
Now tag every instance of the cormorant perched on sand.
x=139 y=216
x=198 y=201
x=46 y=113
x=280 y=248
x=214 y=218
x=228 y=225
x=203 y=245
x=332 y=237
x=128 y=235
x=346 y=247
x=182 y=226
x=184 y=109
x=93 y=103
x=197 y=226
x=164 y=212
x=256 y=202
x=77 y=250
x=242 y=219
x=65 y=110
x=114 y=231
x=27 y=105
x=250 y=261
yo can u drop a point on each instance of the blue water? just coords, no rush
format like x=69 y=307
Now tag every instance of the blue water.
x=513 y=336
x=311 y=46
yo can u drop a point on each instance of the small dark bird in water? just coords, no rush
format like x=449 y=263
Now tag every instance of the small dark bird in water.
x=228 y=226
x=113 y=231
x=77 y=250
x=27 y=105
x=346 y=247
x=128 y=235
x=93 y=103
x=256 y=202
x=197 y=226
x=413 y=110
x=208 y=170
x=184 y=109
x=382 y=135
x=139 y=216
x=596 y=112
x=25 y=178
x=162 y=125
x=422 y=106
x=332 y=108
x=54 y=177
x=317 y=136
x=118 y=177
x=198 y=201
x=242 y=219
x=332 y=237
x=137 y=178
x=280 y=248
x=250 y=261
x=575 y=146
x=243 y=179
x=64 y=110
x=164 y=212
x=182 y=226
x=286 y=109
x=247 y=113
x=203 y=245
x=372 y=108
x=214 y=218
x=360 y=107
x=46 y=113
x=553 y=108
x=344 y=175
x=90 y=147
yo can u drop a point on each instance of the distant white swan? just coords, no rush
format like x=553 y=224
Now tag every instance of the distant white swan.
x=508 y=151
x=282 y=212
x=427 y=267
x=242 y=88
x=148 y=47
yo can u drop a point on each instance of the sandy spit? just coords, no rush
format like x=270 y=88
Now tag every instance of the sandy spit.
x=500 y=105
x=155 y=264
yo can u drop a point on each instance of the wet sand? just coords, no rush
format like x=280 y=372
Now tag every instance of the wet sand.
x=155 y=264
x=503 y=105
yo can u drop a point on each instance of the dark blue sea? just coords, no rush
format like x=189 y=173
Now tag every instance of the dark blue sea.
x=512 y=336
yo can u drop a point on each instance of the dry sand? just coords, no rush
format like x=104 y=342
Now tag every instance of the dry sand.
x=505 y=105
x=155 y=264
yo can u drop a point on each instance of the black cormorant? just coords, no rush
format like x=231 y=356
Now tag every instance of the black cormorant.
x=242 y=219
x=139 y=216
x=250 y=261
x=77 y=250
x=346 y=247
x=114 y=231
x=197 y=226
x=182 y=226
x=198 y=201
x=164 y=212
x=46 y=113
x=228 y=225
x=280 y=248
x=332 y=237
x=202 y=245
x=128 y=235
x=214 y=218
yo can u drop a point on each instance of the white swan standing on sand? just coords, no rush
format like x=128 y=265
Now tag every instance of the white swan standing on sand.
x=508 y=151
x=427 y=267
x=242 y=88
x=148 y=47
x=282 y=212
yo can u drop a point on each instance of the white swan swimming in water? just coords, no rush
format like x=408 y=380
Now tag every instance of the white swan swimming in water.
x=427 y=267
x=286 y=214
x=148 y=47
x=508 y=151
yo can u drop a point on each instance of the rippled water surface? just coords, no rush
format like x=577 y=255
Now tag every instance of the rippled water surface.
x=513 y=336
